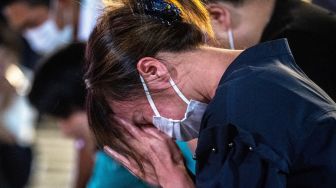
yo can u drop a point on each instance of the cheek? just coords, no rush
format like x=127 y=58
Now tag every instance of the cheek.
x=143 y=118
x=174 y=110
x=148 y=118
x=148 y=114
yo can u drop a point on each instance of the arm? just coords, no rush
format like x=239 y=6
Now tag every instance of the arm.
x=316 y=166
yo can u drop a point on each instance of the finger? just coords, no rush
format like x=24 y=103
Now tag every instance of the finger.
x=130 y=128
x=163 y=137
x=154 y=132
x=166 y=142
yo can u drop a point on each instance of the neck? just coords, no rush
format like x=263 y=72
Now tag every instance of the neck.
x=201 y=71
x=250 y=20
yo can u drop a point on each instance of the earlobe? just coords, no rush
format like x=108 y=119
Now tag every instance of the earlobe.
x=220 y=15
x=147 y=66
x=152 y=70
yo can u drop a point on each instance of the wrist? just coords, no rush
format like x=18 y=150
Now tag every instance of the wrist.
x=177 y=178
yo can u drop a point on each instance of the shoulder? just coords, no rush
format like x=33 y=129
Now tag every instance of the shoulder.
x=277 y=96
x=293 y=17
x=311 y=19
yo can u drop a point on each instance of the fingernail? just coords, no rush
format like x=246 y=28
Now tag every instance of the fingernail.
x=107 y=149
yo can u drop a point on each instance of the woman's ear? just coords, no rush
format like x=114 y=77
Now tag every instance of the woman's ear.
x=154 y=72
x=220 y=16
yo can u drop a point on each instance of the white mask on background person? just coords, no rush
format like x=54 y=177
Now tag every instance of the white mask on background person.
x=231 y=39
x=181 y=130
x=21 y=128
x=47 y=37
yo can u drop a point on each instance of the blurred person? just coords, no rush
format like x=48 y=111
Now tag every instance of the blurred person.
x=152 y=78
x=327 y=4
x=16 y=117
x=57 y=90
x=309 y=29
x=27 y=57
x=45 y=24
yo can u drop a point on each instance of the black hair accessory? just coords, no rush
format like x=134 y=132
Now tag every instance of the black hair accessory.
x=166 y=12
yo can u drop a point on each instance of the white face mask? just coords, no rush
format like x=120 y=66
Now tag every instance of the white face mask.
x=47 y=37
x=231 y=39
x=182 y=130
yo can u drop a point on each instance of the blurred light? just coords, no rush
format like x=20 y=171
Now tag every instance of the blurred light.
x=17 y=79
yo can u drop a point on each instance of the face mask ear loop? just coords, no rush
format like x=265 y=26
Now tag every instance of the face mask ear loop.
x=149 y=97
x=178 y=91
x=231 y=39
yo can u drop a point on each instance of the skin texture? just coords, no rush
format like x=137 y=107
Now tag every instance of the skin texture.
x=160 y=155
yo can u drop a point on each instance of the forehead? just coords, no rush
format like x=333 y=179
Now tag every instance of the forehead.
x=128 y=109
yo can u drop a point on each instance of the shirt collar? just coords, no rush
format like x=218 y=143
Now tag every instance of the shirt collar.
x=253 y=55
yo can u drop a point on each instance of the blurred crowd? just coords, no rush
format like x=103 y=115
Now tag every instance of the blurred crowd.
x=31 y=31
x=42 y=49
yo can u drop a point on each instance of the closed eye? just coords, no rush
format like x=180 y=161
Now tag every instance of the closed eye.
x=139 y=119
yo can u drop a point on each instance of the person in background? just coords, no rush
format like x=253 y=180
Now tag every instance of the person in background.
x=327 y=4
x=58 y=90
x=45 y=26
x=16 y=117
x=310 y=32
x=27 y=57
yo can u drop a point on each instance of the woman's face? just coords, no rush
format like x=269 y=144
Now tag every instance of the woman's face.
x=156 y=77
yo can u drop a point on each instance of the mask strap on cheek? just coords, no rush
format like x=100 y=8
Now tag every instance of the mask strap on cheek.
x=231 y=39
x=149 y=97
x=178 y=91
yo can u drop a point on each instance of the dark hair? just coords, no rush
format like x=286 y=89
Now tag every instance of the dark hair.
x=5 y=3
x=58 y=88
x=125 y=33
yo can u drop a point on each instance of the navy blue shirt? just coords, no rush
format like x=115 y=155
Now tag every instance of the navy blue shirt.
x=268 y=125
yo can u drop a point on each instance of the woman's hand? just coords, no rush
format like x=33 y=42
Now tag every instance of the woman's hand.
x=162 y=160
